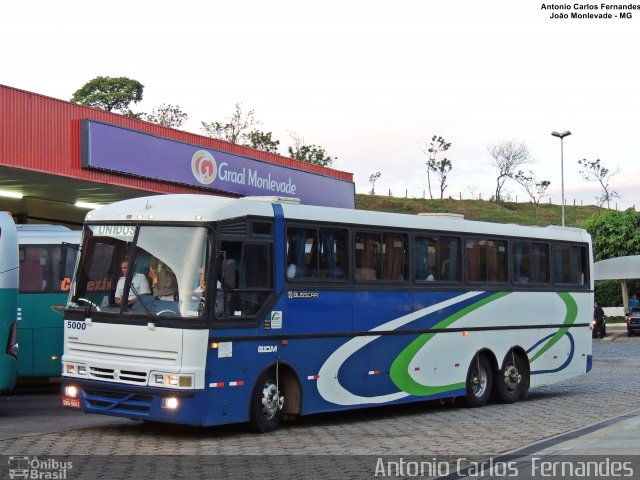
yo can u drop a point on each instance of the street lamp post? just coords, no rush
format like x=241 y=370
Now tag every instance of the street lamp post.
x=561 y=136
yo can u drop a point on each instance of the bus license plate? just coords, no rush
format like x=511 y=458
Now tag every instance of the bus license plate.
x=71 y=402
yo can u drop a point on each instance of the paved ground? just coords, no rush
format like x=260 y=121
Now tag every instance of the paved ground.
x=427 y=431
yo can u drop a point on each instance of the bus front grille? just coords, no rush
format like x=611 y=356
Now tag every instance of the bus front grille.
x=117 y=402
x=118 y=375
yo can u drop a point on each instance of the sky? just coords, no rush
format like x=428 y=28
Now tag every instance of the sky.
x=370 y=82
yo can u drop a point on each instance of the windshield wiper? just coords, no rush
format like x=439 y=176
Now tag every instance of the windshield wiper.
x=139 y=299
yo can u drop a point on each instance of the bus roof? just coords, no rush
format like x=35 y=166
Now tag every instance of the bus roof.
x=207 y=208
x=41 y=234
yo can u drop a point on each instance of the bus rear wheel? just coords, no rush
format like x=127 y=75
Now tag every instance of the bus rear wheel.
x=267 y=403
x=479 y=380
x=512 y=380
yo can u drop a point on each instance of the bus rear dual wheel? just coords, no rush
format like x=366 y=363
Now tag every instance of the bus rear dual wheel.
x=508 y=385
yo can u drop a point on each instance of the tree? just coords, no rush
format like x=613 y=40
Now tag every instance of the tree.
x=262 y=141
x=507 y=156
x=313 y=154
x=166 y=115
x=235 y=130
x=373 y=178
x=110 y=94
x=537 y=190
x=596 y=172
x=238 y=129
x=439 y=166
x=615 y=234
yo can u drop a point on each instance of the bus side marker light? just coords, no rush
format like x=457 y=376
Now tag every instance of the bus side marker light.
x=416 y=369
x=285 y=342
x=216 y=384
x=238 y=383
x=456 y=365
x=313 y=377
x=55 y=357
x=374 y=372
x=214 y=345
x=465 y=333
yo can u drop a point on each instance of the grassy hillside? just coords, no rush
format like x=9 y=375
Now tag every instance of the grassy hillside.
x=519 y=213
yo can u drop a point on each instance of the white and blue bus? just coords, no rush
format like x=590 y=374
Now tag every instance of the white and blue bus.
x=43 y=290
x=305 y=309
x=8 y=302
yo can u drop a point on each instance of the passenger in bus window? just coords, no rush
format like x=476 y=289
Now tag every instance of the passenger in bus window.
x=198 y=290
x=139 y=285
x=163 y=281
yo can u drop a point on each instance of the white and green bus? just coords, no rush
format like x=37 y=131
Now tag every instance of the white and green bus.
x=47 y=256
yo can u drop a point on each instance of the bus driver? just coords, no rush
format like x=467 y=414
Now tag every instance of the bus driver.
x=139 y=284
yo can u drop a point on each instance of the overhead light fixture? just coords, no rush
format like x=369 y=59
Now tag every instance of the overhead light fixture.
x=87 y=205
x=10 y=194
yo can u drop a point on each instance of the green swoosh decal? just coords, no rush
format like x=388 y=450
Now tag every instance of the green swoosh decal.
x=399 y=372
x=572 y=314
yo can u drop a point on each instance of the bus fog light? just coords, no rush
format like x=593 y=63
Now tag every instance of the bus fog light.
x=170 y=402
x=71 y=391
x=172 y=379
x=70 y=368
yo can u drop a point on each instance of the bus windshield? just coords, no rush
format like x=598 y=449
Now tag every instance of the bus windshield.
x=148 y=269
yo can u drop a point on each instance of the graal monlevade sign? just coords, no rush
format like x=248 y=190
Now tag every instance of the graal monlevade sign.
x=118 y=149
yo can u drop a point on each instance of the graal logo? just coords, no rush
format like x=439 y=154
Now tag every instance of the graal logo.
x=204 y=167
x=33 y=467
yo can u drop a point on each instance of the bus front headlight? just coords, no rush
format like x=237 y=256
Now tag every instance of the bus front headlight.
x=171 y=380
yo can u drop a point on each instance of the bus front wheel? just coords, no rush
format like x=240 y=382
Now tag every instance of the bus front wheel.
x=479 y=379
x=267 y=403
x=512 y=380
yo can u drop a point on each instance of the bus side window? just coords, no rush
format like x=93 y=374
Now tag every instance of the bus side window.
x=367 y=254
x=332 y=254
x=569 y=264
x=394 y=251
x=245 y=278
x=32 y=269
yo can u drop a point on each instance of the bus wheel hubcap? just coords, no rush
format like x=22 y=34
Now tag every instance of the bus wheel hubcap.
x=511 y=377
x=272 y=401
x=479 y=383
